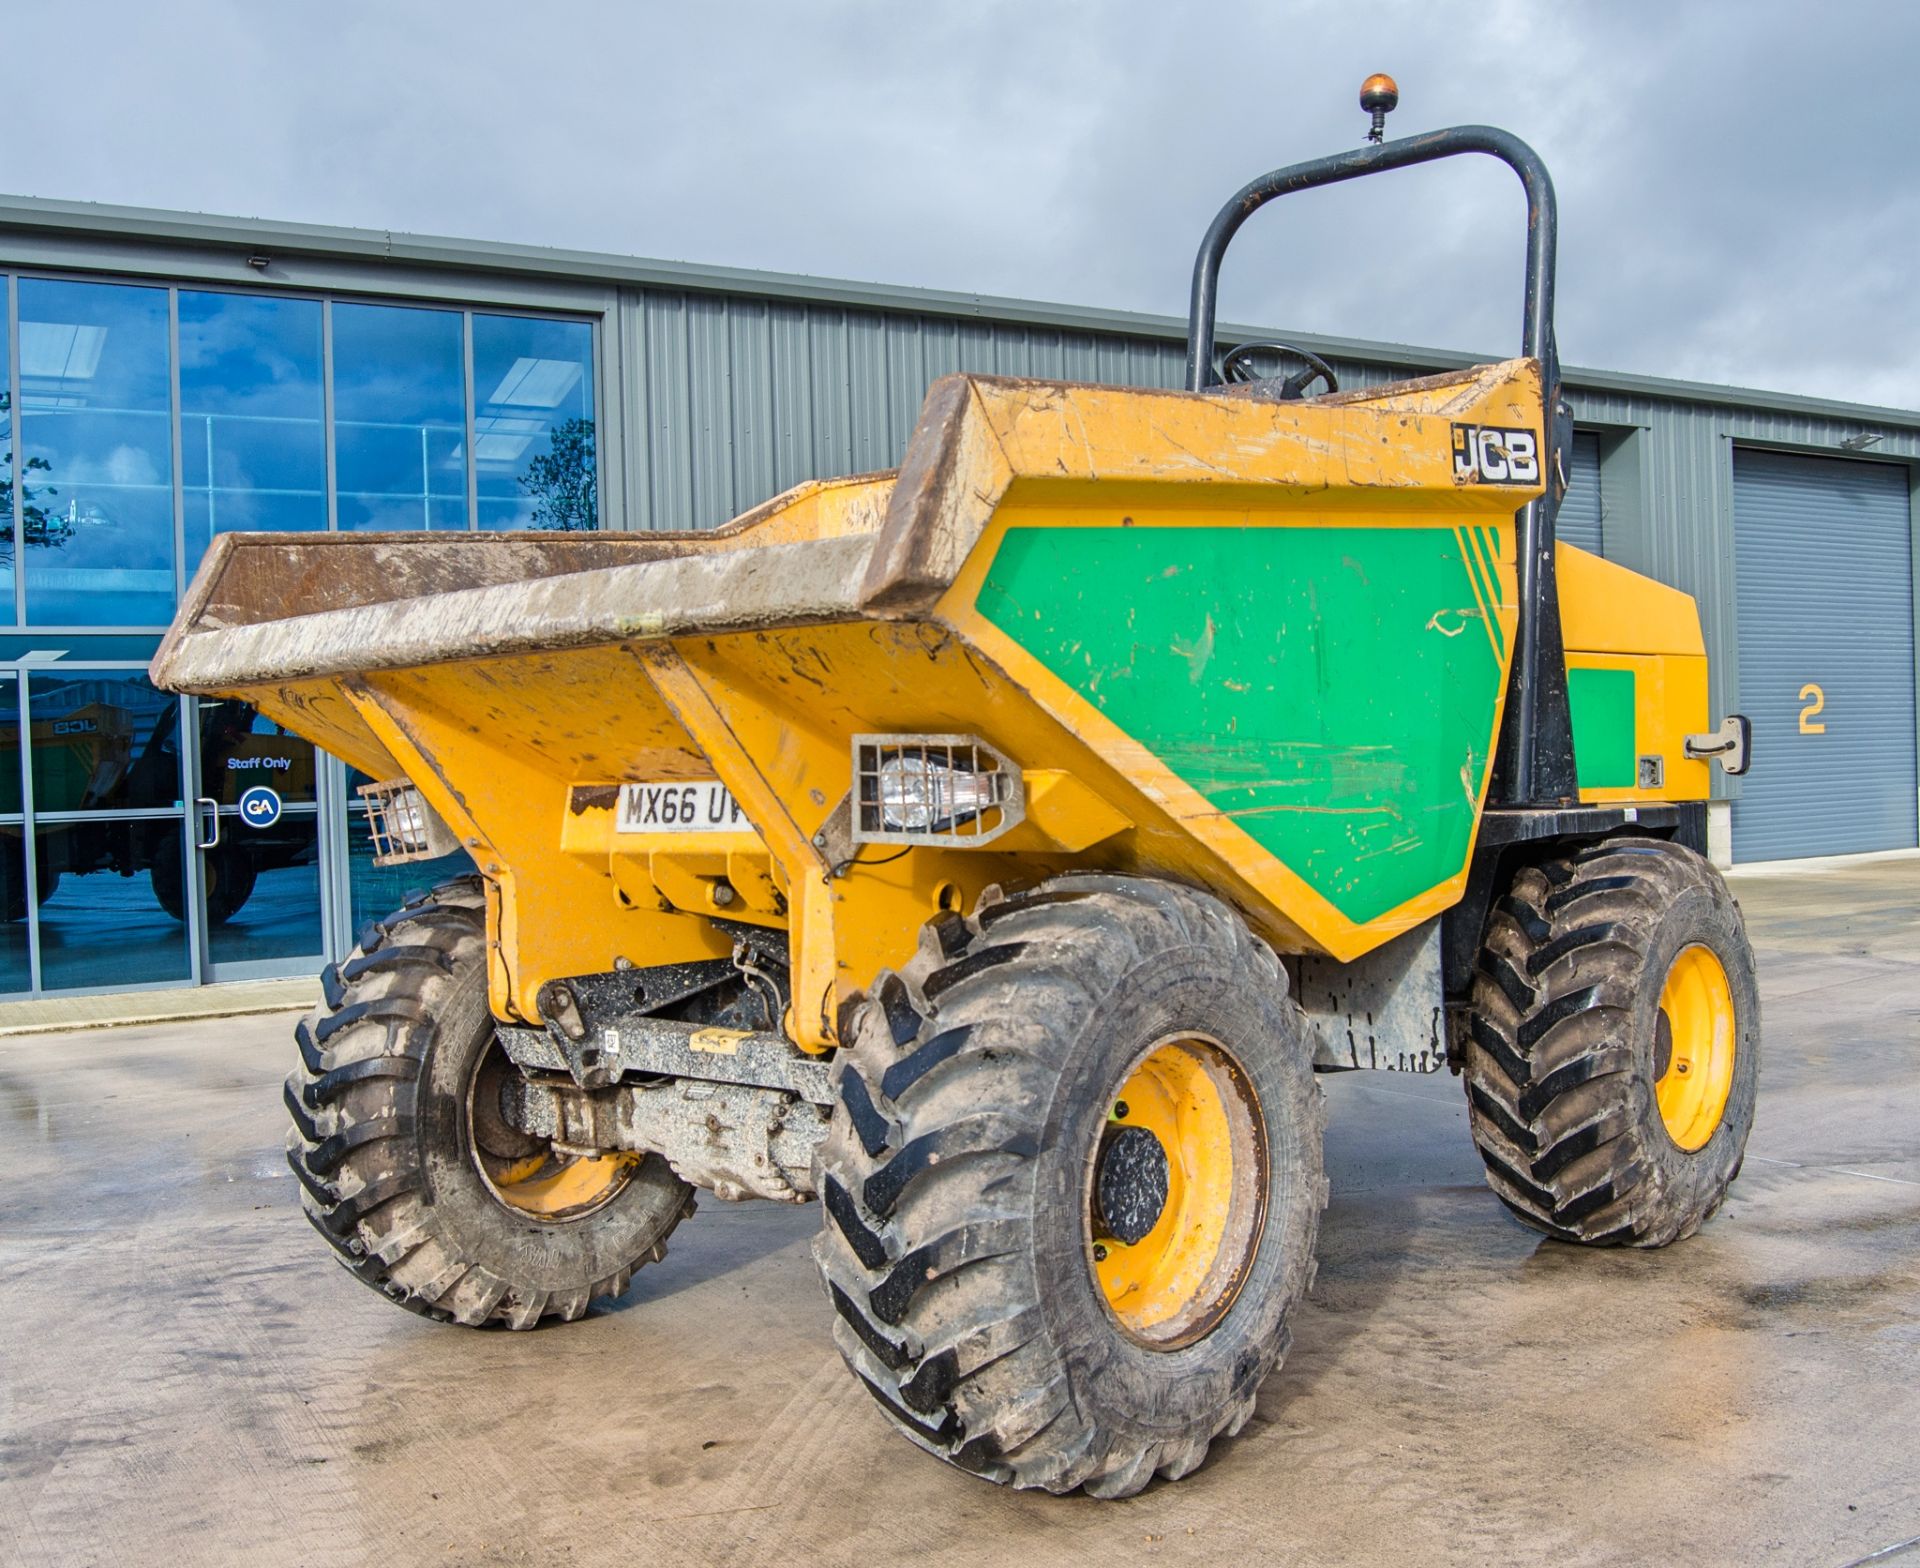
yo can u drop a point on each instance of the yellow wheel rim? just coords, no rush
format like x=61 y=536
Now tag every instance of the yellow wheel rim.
x=1177 y=1281
x=1693 y=1056
x=529 y=1174
x=559 y=1186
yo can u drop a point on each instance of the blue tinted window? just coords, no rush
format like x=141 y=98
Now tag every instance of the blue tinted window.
x=112 y=902
x=399 y=411
x=6 y=464
x=533 y=429
x=96 y=449
x=16 y=973
x=9 y=745
x=263 y=889
x=103 y=742
x=16 y=966
x=253 y=451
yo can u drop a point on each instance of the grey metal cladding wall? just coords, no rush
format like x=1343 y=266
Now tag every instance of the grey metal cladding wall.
x=730 y=399
x=1578 y=520
x=1826 y=600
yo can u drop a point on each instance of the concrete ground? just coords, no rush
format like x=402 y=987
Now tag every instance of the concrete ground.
x=186 y=1377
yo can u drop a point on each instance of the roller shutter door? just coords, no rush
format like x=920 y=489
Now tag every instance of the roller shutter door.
x=1578 y=520
x=1824 y=553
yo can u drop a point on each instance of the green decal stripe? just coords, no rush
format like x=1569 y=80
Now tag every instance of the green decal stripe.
x=1488 y=560
x=1324 y=688
x=1485 y=591
x=1605 y=755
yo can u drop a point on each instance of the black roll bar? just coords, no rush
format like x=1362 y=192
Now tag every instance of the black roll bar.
x=1543 y=223
x=1534 y=764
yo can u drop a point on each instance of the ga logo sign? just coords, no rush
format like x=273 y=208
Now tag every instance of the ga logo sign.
x=260 y=807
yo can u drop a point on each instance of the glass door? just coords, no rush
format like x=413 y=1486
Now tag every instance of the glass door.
x=256 y=820
x=102 y=875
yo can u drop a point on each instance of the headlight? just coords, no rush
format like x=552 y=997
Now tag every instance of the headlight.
x=402 y=826
x=920 y=795
x=408 y=818
x=932 y=788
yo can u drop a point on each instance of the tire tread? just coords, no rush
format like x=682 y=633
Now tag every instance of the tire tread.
x=1548 y=1062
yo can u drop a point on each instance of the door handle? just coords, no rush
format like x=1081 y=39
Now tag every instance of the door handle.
x=210 y=843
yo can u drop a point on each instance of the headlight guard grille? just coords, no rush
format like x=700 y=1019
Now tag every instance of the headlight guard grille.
x=952 y=790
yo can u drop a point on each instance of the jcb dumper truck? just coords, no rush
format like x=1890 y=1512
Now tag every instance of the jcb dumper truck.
x=995 y=850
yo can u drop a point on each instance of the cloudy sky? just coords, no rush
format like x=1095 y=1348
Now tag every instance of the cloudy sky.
x=1739 y=193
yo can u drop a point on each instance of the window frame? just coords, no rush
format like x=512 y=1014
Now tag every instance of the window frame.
x=198 y=268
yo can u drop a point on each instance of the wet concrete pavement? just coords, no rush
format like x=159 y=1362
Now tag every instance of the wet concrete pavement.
x=186 y=1377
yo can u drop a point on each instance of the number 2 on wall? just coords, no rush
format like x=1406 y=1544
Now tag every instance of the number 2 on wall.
x=1817 y=705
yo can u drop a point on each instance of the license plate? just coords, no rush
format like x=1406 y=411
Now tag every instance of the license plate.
x=703 y=806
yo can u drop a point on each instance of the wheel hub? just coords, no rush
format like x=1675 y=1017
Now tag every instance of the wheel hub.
x=1131 y=1185
x=1693 y=1075
x=530 y=1175
x=1176 y=1191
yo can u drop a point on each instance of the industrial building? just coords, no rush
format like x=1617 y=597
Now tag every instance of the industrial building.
x=170 y=376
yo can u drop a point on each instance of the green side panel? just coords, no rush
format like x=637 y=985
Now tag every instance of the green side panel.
x=1605 y=754
x=1332 y=690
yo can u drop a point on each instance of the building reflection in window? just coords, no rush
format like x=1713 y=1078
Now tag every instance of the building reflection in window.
x=104 y=742
x=399 y=417
x=253 y=450
x=114 y=930
x=261 y=881
x=533 y=426
x=96 y=454
x=110 y=832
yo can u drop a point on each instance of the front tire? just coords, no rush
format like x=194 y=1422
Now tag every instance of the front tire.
x=407 y=1167
x=1613 y=1052
x=1073 y=1183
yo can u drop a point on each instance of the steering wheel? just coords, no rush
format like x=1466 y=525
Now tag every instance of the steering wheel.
x=1238 y=367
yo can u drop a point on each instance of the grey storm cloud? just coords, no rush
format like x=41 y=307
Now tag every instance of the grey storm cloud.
x=1736 y=180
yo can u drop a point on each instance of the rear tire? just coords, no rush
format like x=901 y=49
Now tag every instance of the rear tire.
x=1575 y=1060
x=13 y=874
x=976 y=1118
x=230 y=880
x=227 y=872
x=424 y=1195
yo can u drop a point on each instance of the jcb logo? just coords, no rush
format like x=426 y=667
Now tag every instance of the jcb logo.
x=1487 y=455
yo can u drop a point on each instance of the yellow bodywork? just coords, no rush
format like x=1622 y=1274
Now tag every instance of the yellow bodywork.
x=518 y=693
x=1614 y=619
